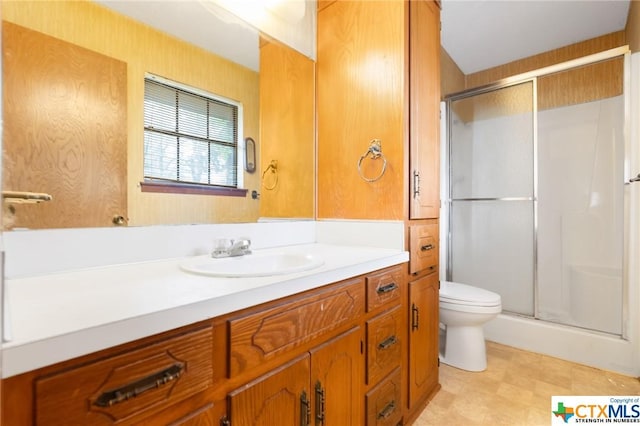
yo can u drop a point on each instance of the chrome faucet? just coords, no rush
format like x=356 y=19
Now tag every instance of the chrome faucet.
x=240 y=247
x=233 y=248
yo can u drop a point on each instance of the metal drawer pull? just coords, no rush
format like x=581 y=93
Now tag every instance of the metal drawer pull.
x=387 y=411
x=388 y=342
x=134 y=389
x=320 y=401
x=426 y=247
x=386 y=288
x=415 y=317
x=305 y=409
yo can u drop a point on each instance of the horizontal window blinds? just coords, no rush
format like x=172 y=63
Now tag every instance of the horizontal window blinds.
x=189 y=137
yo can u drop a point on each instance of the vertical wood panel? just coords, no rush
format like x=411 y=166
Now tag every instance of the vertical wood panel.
x=287 y=132
x=144 y=49
x=453 y=79
x=632 y=31
x=424 y=113
x=360 y=87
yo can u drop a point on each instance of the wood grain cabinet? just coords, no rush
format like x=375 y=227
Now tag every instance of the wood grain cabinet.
x=329 y=356
x=385 y=343
x=378 y=78
x=424 y=104
x=128 y=387
x=424 y=327
x=321 y=387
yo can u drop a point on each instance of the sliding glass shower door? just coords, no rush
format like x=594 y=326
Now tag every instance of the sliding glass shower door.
x=492 y=193
x=536 y=195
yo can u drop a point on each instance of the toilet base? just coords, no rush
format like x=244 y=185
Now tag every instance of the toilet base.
x=464 y=348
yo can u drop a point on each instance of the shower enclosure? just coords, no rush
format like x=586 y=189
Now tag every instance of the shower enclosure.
x=535 y=194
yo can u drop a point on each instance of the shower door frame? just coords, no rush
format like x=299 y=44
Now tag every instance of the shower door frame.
x=532 y=76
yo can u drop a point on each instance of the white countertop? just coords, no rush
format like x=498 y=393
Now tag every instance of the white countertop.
x=56 y=317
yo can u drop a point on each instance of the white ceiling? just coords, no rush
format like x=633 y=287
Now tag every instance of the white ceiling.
x=480 y=34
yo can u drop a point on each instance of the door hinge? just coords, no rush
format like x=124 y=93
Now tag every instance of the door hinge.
x=224 y=421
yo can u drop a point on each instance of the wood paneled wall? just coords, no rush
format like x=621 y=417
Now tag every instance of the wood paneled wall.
x=287 y=104
x=144 y=49
x=632 y=30
x=573 y=51
x=452 y=79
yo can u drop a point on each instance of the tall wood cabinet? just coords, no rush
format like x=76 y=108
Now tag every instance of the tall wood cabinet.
x=378 y=78
x=424 y=119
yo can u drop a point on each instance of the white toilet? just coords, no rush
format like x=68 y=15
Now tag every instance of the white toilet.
x=464 y=309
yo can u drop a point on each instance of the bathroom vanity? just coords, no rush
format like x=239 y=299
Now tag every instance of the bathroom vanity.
x=323 y=346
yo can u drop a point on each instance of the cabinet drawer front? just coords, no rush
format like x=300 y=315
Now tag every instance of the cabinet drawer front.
x=384 y=406
x=263 y=335
x=383 y=344
x=424 y=247
x=384 y=287
x=115 y=389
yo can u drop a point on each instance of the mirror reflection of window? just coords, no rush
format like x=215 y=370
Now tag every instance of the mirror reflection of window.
x=190 y=136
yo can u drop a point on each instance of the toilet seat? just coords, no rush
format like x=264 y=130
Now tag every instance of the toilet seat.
x=471 y=309
x=461 y=294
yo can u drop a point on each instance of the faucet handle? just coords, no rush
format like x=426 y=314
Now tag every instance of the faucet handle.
x=221 y=247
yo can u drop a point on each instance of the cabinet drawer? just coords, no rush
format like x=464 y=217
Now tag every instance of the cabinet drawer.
x=423 y=247
x=263 y=335
x=383 y=344
x=118 y=388
x=383 y=403
x=384 y=287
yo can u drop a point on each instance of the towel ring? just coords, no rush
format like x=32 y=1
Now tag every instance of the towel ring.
x=273 y=166
x=375 y=151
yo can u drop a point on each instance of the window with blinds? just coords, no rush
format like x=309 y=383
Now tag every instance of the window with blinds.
x=189 y=136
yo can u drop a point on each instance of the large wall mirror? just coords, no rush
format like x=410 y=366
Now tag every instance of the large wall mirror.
x=73 y=113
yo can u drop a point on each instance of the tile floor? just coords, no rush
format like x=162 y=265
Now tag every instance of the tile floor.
x=516 y=389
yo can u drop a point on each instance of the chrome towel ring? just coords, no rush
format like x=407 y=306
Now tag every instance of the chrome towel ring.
x=375 y=152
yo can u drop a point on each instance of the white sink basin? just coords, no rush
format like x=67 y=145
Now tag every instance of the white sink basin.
x=252 y=265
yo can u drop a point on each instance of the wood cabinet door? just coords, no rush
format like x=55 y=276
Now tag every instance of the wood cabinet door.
x=278 y=398
x=65 y=130
x=423 y=337
x=361 y=86
x=336 y=378
x=424 y=45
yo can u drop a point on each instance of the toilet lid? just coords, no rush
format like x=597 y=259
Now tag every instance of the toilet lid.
x=468 y=295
